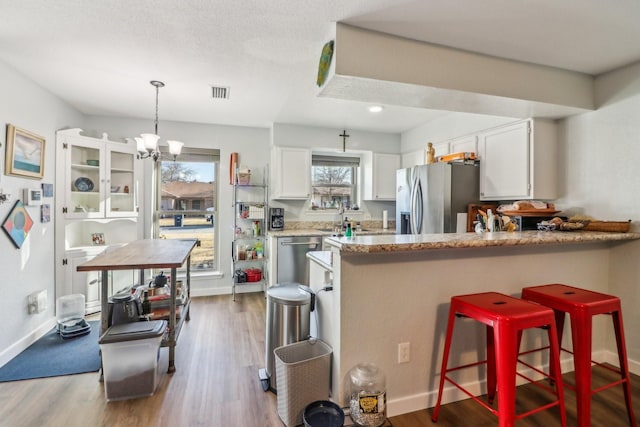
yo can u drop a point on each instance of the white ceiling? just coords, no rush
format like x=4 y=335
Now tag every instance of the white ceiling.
x=100 y=55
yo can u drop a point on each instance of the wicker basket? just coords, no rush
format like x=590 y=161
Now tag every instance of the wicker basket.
x=615 y=226
x=303 y=373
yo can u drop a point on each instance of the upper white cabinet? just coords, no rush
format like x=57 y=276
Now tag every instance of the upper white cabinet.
x=379 y=171
x=419 y=157
x=466 y=144
x=100 y=177
x=518 y=161
x=413 y=158
x=441 y=149
x=290 y=173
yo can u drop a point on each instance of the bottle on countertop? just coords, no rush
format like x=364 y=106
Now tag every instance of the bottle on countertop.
x=146 y=304
x=490 y=221
x=349 y=232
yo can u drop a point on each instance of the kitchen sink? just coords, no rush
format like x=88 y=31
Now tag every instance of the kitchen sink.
x=331 y=230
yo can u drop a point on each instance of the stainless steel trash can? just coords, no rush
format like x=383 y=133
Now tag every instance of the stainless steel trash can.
x=288 y=319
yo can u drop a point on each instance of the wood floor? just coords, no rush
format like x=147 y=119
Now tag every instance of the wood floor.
x=216 y=384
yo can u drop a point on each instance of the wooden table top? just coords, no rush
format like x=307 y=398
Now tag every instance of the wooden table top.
x=142 y=254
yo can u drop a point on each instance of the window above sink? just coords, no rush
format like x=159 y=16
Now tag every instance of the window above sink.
x=334 y=182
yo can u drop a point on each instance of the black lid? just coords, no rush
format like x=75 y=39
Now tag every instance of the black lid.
x=133 y=331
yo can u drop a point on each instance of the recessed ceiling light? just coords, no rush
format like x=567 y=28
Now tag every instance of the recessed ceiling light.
x=375 y=108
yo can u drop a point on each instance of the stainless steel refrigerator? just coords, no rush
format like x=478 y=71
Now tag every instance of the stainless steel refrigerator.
x=429 y=197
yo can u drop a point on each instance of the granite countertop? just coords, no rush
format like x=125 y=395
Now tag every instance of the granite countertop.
x=420 y=242
x=317 y=232
x=323 y=258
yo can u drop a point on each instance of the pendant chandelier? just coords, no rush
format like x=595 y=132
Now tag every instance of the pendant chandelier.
x=147 y=143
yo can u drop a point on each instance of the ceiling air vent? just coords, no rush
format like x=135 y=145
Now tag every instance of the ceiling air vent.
x=220 y=92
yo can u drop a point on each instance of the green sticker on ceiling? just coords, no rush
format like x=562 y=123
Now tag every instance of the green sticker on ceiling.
x=325 y=62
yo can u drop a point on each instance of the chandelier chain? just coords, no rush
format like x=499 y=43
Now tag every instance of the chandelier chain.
x=156 y=122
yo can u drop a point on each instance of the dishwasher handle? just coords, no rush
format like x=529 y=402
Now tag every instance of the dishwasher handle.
x=307 y=243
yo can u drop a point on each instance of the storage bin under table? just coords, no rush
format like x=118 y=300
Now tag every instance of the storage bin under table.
x=130 y=359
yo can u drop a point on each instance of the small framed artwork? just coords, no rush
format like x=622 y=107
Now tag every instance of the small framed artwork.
x=45 y=212
x=97 y=238
x=17 y=224
x=24 y=153
x=47 y=190
x=32 y=196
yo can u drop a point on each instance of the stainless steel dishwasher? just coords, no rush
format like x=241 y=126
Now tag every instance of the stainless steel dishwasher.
x=293 y=266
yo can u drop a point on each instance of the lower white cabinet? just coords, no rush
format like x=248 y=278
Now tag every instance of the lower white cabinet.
x=518 y=161
x=379 y=170
x=89 y=283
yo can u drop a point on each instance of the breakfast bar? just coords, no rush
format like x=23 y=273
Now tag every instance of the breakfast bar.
x=142 y=255
x=388 y=290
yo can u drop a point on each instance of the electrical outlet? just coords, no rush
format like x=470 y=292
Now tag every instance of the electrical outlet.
x=37 y=302
x=404 y=352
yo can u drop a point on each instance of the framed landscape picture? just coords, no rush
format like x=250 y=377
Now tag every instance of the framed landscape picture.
x=24 y=153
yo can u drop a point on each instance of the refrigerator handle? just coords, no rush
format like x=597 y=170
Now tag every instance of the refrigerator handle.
x=415 y=211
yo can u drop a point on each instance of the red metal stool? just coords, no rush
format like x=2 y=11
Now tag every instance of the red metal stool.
x=582 y=305
x=505 y=318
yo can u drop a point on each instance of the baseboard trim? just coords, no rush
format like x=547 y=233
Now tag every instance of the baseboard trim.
x=22 y=344
x=226 y=290
x=420 y=401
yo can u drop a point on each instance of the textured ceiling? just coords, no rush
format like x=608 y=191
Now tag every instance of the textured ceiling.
x=100 y=55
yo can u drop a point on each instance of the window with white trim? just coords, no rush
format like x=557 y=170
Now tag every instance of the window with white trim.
x=187 y=191
x=334 y=181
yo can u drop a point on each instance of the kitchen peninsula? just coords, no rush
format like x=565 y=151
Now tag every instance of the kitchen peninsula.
x=396 y=289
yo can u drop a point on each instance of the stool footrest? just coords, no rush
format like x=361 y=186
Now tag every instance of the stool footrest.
x=535 y=382
x=465 y=391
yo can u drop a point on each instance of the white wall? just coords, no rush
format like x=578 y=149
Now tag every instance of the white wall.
x=600 y=152
x=31 y=268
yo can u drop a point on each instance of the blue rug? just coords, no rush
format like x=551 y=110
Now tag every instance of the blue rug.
x=52 y=356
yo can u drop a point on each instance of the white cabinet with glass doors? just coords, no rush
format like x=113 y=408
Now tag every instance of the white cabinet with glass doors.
x=95 y=207
x=100 y=177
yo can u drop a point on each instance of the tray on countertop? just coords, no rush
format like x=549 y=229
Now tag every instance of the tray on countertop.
x=530 y=212
x=614 y=226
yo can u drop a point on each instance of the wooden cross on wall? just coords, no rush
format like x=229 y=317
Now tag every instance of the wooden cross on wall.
x=344 y=140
